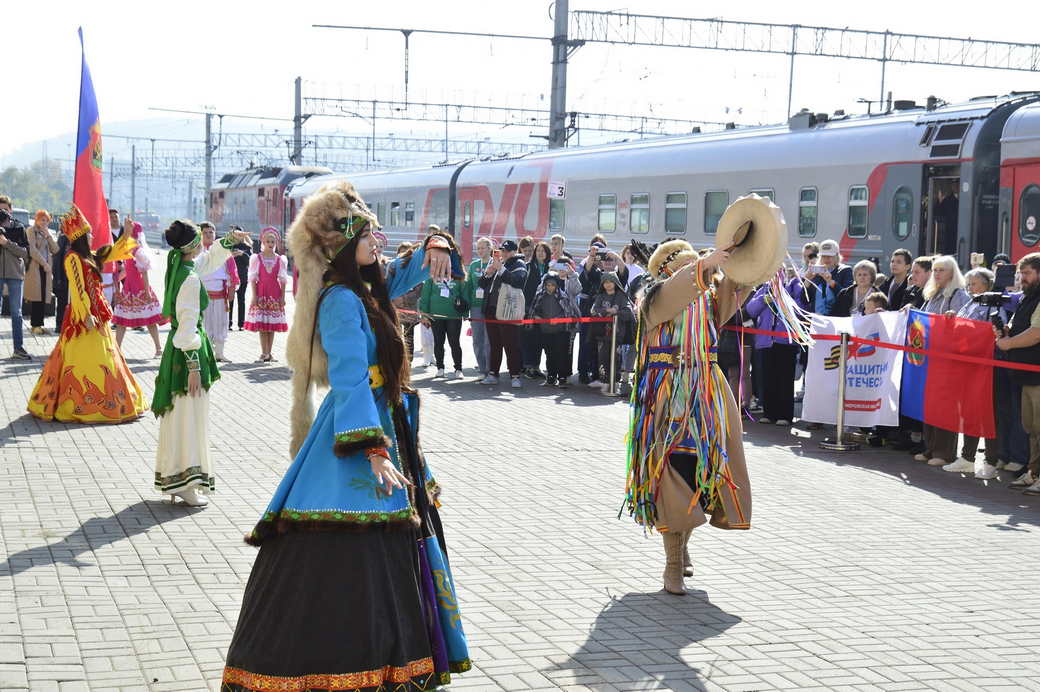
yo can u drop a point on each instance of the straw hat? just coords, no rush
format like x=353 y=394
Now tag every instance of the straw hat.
x=754 y=228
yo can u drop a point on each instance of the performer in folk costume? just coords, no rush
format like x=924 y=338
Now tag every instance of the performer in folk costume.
x=136 y=304
x=188 y=367
x=268 y=277
x=351 y=589
x=86 y=378
x=685 y=455
x=221 y=283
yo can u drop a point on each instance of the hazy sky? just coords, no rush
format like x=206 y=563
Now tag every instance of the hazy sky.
x=241 y=57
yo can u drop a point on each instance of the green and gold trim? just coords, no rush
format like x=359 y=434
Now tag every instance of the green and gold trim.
x=290 y=520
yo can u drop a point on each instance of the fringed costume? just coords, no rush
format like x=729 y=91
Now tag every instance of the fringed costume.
x=685 y=455
x=86 y=378
x=351 y=589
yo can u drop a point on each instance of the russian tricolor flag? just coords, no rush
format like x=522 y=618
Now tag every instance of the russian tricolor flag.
x=87 y=191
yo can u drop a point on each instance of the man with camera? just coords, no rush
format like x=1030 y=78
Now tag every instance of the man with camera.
x=599 y=261
x=1022 y=345
x=14 y=251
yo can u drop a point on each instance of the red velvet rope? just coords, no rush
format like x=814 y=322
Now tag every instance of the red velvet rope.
x=897 y=347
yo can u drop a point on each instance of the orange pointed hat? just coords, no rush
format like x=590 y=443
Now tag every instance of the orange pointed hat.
x=74 y=224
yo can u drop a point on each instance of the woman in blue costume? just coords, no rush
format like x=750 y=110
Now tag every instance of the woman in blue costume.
x=351 y=589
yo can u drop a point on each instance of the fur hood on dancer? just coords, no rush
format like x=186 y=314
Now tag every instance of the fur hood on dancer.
x=313 y=238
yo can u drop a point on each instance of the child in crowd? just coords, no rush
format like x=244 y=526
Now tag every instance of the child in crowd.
x=268 y=276
x=552 y=301
x=875 y=302
x=612 y=301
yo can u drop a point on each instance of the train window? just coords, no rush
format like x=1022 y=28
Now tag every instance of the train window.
x=1029 y=215
x=926 y=138
x=381 y=212
x=409 y=214
x=807 y=205
x=857 y=227
x=607 y=217
x=639 y=213
x=395 y=214
x=675 y=212
x=556 y=215
x=714 y=204
x=902 y=212
x=764 y=192
x=954 y=131
x=467 y=214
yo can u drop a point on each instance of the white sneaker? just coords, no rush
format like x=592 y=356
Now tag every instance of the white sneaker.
x=938 y=462
x=458 y=375
x=490 y=379
x=1013 y=467
x=1034 y=489
x=517 y=384
x=920 y=457
x=782 y=421
x=961 y=465
x=1023 y=481
x=984 y=471
x=440 y=372
x=595 y=383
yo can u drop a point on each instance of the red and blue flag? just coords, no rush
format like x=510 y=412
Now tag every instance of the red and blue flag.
x=87 y=191
x=950 y=394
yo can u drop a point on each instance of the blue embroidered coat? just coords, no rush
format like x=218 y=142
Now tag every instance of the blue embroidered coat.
x=341 y=491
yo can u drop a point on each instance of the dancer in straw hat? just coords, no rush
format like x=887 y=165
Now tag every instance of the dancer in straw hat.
x=685 y=455
x=351 y=589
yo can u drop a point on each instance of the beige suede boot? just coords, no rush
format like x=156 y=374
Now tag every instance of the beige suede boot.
x=673 y=570
x=686 y=563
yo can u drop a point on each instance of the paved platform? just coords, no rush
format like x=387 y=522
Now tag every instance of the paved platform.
x=866 y=571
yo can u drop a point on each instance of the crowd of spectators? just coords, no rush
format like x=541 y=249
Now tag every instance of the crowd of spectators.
x=764 y=370
x=936 y=285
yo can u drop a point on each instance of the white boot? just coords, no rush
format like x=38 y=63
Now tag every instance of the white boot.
x=191 y=497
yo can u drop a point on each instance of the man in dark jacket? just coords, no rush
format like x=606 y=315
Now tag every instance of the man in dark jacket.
x=898 y=281
x=590 y=274
x=241 y=252
x=506 y=268
x=14 y=253
x=60 y=282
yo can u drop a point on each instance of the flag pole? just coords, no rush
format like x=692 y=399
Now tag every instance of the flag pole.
x=838 y=442
x=79 y=107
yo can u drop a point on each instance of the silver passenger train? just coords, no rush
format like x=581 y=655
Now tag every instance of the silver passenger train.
x=955 y=178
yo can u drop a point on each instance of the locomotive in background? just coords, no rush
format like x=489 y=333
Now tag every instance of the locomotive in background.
x=255 y=198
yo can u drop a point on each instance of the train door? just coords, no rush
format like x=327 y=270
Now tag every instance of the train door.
x=940 y=210
x=1025 y=209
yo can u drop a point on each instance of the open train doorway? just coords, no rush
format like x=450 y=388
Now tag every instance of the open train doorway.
x=940 y=215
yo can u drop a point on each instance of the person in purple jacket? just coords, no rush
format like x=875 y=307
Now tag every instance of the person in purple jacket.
x=778 y=355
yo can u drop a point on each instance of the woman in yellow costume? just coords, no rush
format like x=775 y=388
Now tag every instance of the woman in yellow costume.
x=86 y=379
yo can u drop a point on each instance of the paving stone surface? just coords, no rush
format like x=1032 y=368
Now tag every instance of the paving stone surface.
x=866 y=571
